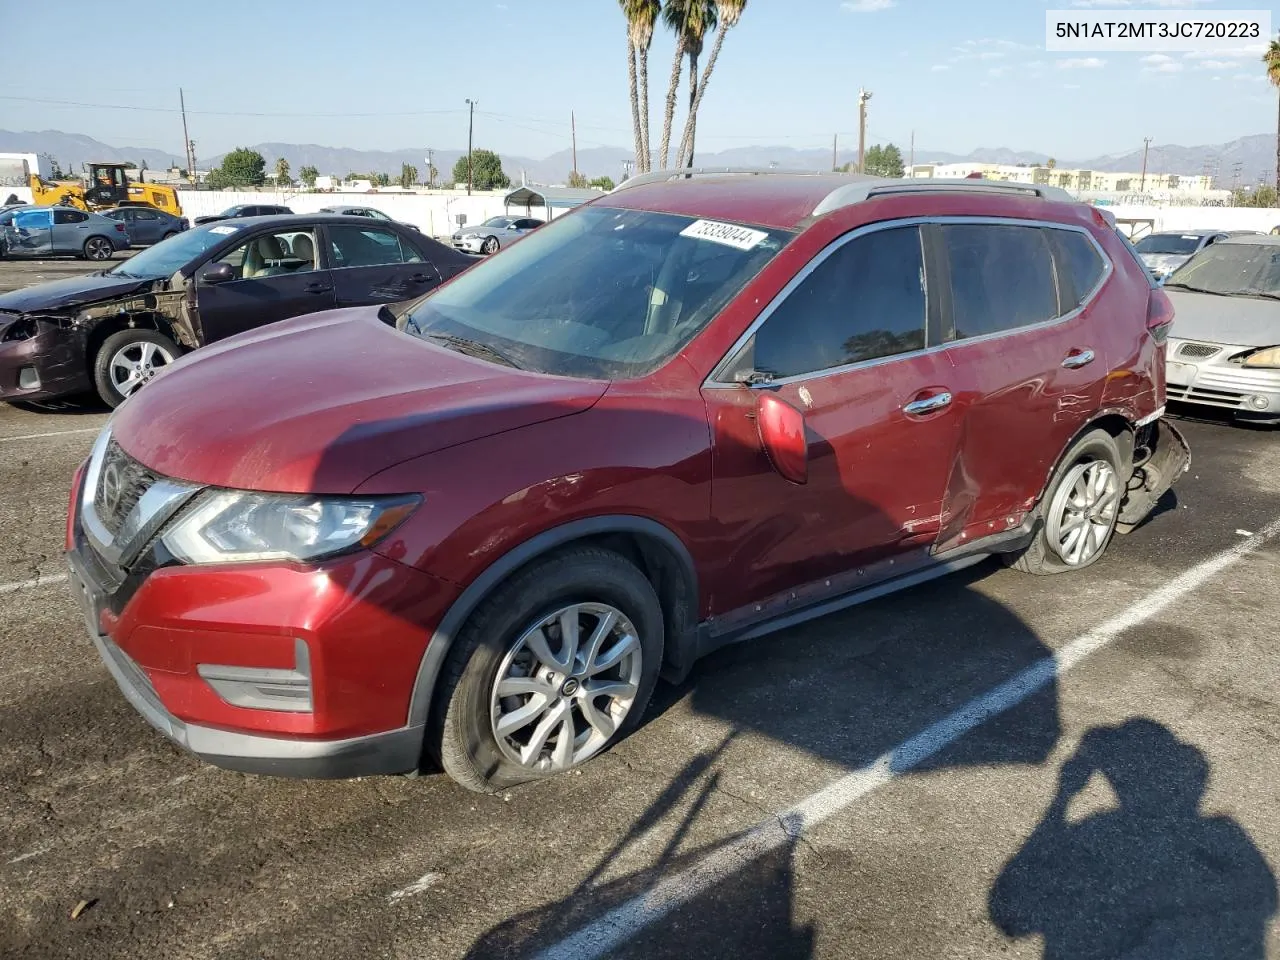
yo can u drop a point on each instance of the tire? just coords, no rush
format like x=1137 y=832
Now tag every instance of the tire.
x=168 y=235
x=490 y=246
x=98 y=249
x=152 y=350
x=464 y=735
x=1093 y=455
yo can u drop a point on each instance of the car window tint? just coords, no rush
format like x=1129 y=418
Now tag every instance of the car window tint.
x=31 y=220
x=368 y=247
x=272 y=255
x=69 y=216
x=145 y=215
x=1080 y=266
x=1002 y=277
x=865 y=301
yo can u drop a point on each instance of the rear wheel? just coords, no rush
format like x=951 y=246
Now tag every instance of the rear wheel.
x=1081 y=507
x=98 y=248
x=554 y=667
x=129 y=359
x=169 y=234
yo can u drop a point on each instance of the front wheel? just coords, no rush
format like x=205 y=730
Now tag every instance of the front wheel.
x=490 y=245
x=550 y=670
x=1082 y=504
x=127 y=360
x=98 y=248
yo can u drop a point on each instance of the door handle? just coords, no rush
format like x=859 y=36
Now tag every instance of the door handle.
x=315 y=287
x=937 y=401
x=1078 y=358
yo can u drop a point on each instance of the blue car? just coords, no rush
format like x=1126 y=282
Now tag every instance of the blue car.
x=147 y=225
x=59 y=232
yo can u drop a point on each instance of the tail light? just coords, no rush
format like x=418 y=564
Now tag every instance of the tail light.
x=1159 y=315
x=119 y=228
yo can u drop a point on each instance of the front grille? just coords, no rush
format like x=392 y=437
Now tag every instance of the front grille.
x=1215 y=398
x=121 y=484
x=1198 y=351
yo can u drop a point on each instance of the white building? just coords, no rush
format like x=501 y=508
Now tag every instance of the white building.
x=16 y=168
x=1092 y=181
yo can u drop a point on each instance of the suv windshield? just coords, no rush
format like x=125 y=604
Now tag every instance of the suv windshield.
x=169 y=256
x=1168 y=243
x=1233 y=269
x=601 y=293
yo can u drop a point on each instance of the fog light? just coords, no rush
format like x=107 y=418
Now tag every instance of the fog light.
x=1259 y=403
x=264 y=688
x=28 y=379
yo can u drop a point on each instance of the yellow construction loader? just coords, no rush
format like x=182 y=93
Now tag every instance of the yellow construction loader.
x=106 y=186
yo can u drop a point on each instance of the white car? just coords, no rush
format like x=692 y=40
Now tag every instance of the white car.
x=494 y=234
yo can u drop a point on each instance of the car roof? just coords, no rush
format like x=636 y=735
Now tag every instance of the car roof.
x=788 y=200
x=1259 y=239
x=291 y=219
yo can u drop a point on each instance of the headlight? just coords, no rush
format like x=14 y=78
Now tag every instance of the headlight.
x=229 y=526
x=1269 y=357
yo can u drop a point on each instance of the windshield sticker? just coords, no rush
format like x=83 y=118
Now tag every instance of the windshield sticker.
x=731 y=235
x=223 y=229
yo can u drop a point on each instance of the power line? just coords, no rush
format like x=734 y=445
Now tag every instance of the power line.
x=223 y=113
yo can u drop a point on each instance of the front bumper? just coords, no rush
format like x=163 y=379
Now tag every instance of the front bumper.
x=469 y=244
x=1214 y=381
x=364 y=621
x=49 y=364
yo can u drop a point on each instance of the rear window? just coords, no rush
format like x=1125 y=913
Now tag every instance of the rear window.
x=1002 y=278
x=600 y=293
x=1080 y=266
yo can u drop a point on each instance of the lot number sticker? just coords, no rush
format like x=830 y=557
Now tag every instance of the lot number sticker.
x=223 y=229
x=731 y=235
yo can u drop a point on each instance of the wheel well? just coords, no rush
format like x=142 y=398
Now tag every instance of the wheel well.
x=1114 y=424
x=144 y=321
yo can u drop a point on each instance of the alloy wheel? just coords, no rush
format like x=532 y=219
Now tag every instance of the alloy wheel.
x=97 y=249
x=135 y=364
x=1083 y=512
x=565 y=687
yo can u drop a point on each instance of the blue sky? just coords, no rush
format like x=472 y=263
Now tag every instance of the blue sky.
x=961 y=75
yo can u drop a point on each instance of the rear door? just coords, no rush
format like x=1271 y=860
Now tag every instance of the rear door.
x=30 y=233
x=146 y=227
x=277 y=276
x=1030 y=362
x=374 y=264
x=846 y=343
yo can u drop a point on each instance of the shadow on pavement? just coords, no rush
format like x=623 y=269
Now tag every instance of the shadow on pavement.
x=1151 y=879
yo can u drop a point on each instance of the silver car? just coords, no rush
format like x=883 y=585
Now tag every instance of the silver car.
x=60 y=231
x=1225 y=348
x=494 y=234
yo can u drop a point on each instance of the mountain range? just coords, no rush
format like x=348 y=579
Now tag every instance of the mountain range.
x=1250 y=158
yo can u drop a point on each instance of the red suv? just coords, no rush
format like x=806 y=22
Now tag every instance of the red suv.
x=479 y=527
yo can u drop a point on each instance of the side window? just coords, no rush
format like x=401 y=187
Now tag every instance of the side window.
x=273 y=255
x=1002 y=277
x=69 y=216
x=145 y=215
x=865 y=301
x=1080 y=266
x=368 y=247
x=32 y=220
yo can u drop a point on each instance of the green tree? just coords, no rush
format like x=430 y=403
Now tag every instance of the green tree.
x=691 y=21
x=380 y=179
x=1263 y=195
x=577 y=180
x=1272 y=60
x=282 y=177
x=602 y=183
x=352 y=176
x=487 y=171
x=308 y=175
x=408 y=175
x=1052 y=163
x=728 y=13
x=241 y=167
x=883 y=161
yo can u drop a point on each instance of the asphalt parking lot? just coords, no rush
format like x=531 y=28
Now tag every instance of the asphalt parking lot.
x=1081 y=766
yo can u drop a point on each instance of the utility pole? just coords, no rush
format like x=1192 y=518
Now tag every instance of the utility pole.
x=911 y=164
x=573 y=127
x=471 y=124
x=431 y=168
x=863 y=97
x=835 y=159
x=186 y=139
x=1146 y=146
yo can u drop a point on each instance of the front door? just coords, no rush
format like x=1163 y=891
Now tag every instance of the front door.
x=276 y=276
x=30 y=233
x=374 y=264
x=145 y=227
x=71 y=228
x=847 y=344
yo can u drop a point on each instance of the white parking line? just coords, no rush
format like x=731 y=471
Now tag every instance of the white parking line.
x=55 y=433
x=422 y=883
x=32 y=584
x=615 y=928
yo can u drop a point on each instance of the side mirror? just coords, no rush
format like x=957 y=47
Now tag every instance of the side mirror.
x=783 y=436
x=217 y=273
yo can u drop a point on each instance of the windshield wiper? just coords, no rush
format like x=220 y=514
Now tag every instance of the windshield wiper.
x=474 y=348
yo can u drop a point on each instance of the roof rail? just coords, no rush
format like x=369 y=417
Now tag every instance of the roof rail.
x=857 y=192
x=687 y=173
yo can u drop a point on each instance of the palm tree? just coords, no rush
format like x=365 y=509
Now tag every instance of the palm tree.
x=641 y=16
x=728 y=12
x=1272 y=59
x=691 y=20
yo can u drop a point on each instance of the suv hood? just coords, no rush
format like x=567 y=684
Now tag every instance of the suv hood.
x=72 y=292
x=321 y=403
